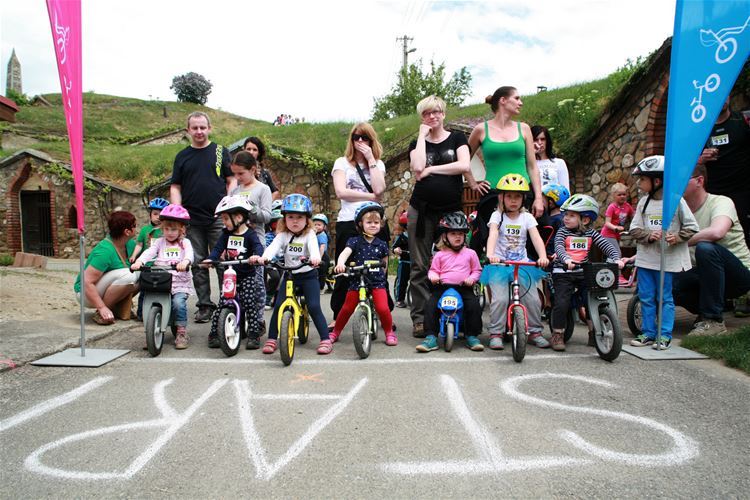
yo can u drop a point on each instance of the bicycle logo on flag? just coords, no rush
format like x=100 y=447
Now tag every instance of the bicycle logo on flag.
x=726 y=42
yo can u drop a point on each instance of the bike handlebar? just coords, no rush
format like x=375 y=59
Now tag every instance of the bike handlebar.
x=282 y=267
x=516 y=263
x=225 y=263
x=166 y=267
x=357 y=270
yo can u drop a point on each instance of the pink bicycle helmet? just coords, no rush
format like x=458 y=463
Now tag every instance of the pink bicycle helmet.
x=175 y=212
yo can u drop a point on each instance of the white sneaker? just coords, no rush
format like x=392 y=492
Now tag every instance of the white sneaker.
x=707 y=328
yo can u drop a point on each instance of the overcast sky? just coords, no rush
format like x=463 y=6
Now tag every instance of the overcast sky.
x=327 y=60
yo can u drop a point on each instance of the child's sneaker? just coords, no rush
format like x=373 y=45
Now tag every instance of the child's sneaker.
x=253 y=343
x=496 y=342
x=430 y=344
x=213 y=342
x=391 y=339
x=663 y=344
x=558 y=342
x=181 y=339
x=473 y=343
x=325 y=347
x=270 y=346
x=641 y=341
x=538 y=340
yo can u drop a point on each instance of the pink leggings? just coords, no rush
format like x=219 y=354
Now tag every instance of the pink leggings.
x=379 y=297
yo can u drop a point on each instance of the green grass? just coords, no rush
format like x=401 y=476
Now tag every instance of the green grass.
x=733 y=348
x=111 y=123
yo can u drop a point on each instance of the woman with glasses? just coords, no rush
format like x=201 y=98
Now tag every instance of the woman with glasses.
x=358 y=177
x=439 y=159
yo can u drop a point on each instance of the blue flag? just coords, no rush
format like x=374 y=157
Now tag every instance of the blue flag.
x=710 y=45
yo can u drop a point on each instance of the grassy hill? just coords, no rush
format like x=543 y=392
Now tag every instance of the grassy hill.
x=111 y=123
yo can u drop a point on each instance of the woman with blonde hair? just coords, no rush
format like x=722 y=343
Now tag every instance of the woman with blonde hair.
x=358 y=177
x=439 y=159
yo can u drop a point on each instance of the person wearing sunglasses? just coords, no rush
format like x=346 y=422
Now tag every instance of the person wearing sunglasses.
x=439 y=159
x=358 y=177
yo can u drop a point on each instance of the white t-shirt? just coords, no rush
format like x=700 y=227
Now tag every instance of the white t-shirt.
x=553 y=172
x=353 y=181
x=511 y=240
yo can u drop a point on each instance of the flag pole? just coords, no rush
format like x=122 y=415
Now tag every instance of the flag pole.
x=82 y=250
x=660 y=303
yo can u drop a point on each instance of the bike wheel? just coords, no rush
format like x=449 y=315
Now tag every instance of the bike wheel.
x=518 y=342
x=570 y=325
x=408 y=294
x=303 y=329
x=228 y=331
x=154 y=334
x=450 y=333
x=609 y=339
x=635 y=318
x=361 y=333
x=286 y=338
x=479 y=292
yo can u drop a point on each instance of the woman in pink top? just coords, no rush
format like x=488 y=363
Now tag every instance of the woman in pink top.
x=454 y=266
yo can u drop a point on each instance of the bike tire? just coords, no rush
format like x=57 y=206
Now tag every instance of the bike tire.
x=154 y=335
x=361 y=333
x=518 y=341
x=479 y=292
x=570 y=325
x=286 y=338
x=229 y=332
x=450 y=334
x=408 y=294
x=608 y=341
x=303 y=329
x=634 y=315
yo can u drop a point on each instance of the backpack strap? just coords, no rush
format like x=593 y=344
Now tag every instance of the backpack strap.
x=219 y=158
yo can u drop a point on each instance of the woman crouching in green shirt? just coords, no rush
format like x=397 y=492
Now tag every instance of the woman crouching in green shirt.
x=107 y=279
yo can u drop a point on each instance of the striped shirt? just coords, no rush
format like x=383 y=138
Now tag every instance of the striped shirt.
x=576 y=245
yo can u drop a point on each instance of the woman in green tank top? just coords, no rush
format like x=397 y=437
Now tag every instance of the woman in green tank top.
x=507 y=147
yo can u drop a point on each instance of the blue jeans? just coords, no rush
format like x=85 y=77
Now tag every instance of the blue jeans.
x=648 y=292
x=718 y=275
x=179 y=308
x=203 y=239
x=308 y=283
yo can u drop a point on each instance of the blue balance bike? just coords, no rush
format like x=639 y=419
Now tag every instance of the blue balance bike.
x=451 y=307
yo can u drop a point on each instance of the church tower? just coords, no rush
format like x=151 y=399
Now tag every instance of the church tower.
x=14 y=75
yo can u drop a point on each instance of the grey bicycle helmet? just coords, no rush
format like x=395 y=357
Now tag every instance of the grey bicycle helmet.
x=651 y=166
x=453 y=221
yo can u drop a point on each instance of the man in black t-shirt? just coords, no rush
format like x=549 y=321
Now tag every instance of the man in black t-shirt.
x=727 y=159
x=201 y=177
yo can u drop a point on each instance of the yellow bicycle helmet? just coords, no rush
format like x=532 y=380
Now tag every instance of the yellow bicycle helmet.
x=513 y=182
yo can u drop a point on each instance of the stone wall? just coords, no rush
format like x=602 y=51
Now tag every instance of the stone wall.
x=29 y=173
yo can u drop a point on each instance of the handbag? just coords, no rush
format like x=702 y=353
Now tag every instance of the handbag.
x=155 y=280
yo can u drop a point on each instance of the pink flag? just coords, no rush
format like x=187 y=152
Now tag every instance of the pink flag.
x=65 y=20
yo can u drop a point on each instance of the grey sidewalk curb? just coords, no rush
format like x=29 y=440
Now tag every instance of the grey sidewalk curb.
x=67 y=345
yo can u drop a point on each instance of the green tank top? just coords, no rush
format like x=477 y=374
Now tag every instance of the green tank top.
x=503 y=158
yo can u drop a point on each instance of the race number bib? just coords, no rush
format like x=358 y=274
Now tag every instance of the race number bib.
x=244 y=194
x=513 y=230
x=296 y=247
x=449 y=302
x=578 y=244
x=654 y=222
x=236 y=243
x=171 y=253
x=720 y=140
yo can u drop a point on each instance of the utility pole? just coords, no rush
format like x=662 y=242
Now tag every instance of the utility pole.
x=405 y=40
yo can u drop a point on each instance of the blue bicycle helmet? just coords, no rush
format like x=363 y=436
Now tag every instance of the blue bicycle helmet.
x=368 y=206
x=321 y=217
x=158 y=204
x=557 y=193
x=297 y=204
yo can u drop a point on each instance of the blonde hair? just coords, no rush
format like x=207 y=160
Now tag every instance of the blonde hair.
x=175 y=223
x=281 y=225
x=618 y=187
x=372 y=214
x=442 y=243
x=363 y=128
x=430 y=103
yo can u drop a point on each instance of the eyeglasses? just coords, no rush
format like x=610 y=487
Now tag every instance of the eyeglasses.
x=433 y=112
x=360 y=137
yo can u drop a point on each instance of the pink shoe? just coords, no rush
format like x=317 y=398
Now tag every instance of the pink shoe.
x=325 y=347
x=334 y=337
x=391 y=339
x=269 y=347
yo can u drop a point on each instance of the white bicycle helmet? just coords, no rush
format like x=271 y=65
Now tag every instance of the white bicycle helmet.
x=583 y=204
x=234 y=204
x=651 y=166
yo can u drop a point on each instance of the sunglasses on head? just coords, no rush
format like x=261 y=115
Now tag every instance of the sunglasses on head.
x=360 y=137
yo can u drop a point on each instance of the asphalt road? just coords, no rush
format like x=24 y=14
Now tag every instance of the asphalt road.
x=400 y=424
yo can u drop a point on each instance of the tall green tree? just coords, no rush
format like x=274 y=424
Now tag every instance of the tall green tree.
x=191 y=87
x=413 y=85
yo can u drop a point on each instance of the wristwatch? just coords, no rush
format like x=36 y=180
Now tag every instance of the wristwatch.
x=373 y=165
